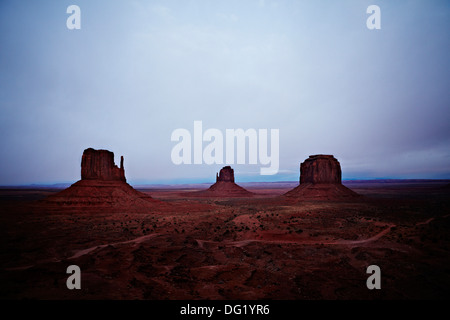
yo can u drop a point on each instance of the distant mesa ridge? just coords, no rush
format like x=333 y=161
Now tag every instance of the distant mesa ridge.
x=102 y=184
x=321 y=179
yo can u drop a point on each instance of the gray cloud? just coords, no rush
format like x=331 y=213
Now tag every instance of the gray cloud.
x=138 y=70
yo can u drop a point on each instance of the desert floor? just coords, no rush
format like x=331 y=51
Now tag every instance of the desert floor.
x=265 y=247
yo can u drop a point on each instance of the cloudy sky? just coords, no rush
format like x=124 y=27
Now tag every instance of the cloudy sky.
x=137 y=70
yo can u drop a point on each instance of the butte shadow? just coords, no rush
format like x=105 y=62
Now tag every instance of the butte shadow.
x=321 y=179
x=225 y=187
x=102 y=185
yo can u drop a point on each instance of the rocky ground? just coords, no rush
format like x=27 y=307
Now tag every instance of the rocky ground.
x=266 y=247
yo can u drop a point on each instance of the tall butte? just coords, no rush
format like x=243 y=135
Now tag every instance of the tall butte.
x=102 y=184
x=321 y=179
x=99 y=165
x=224 y=187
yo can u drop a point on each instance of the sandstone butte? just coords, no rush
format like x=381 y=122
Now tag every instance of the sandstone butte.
x=224 y=187
x=102 y=184
x=321 y=179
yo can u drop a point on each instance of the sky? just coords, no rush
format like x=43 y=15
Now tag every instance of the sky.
x=378 y=100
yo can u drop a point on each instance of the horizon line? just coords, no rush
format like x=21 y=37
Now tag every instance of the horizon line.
x=136 y=183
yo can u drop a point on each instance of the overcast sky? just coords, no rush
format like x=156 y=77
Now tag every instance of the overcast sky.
x=137 y=70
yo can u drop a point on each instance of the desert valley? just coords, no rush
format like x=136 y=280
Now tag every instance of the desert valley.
x=283 y=241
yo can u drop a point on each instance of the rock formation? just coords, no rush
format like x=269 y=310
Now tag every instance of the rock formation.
x=99 y=165
x=102 y=184
x=320 y=169
x=224 y=187
x=226 y=174
x=320 y=179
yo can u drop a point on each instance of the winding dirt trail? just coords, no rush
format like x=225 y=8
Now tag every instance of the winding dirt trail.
x=83 y=252
x=431 y=219
x=133 y=241
x=243 y=243
x=382 y=233
x=240 y=243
